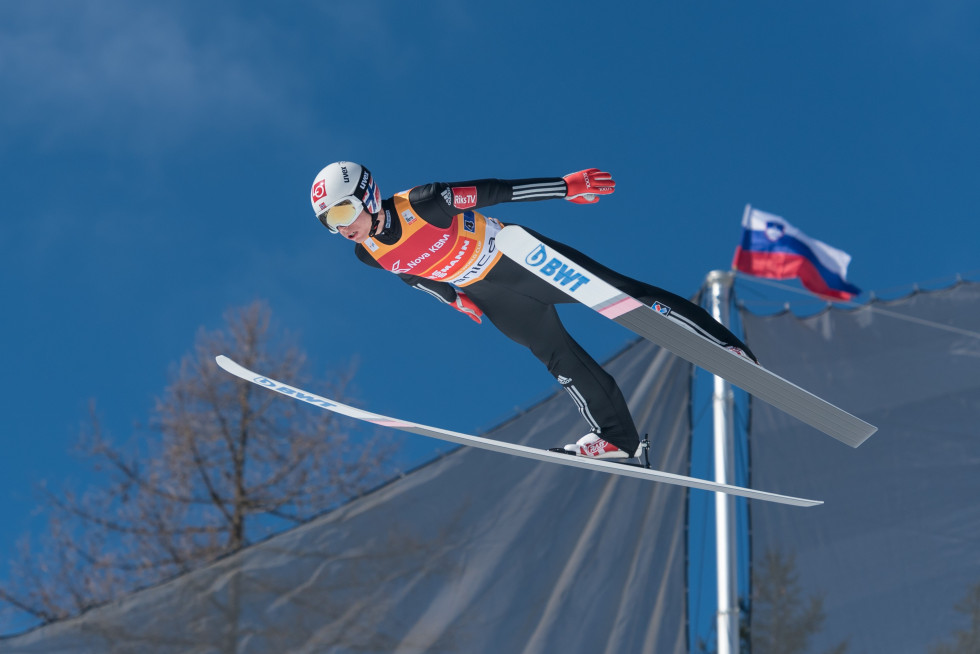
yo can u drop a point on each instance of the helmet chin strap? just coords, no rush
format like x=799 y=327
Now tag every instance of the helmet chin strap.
x=375 y=223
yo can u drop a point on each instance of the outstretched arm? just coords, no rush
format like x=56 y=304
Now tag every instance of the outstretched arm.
x=440 y=201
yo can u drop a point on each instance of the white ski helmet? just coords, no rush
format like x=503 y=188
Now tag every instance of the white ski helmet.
x=341 y=191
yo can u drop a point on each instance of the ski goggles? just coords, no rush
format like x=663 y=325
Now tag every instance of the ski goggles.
x=344 y=212
x=341 y=214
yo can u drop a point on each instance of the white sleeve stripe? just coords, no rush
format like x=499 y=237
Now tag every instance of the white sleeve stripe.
x=554 y=189
x=541 y=185
x=524 y=195
x=538 y=190
x=432 y=293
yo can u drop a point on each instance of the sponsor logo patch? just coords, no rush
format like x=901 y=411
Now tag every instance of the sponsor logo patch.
x=442 y=272
x=319 y=191
x=408 y=266
x=662 y=309
x=464 y=197
x=556 y=268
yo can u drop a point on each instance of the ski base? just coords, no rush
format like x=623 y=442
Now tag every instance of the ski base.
x=524 y=451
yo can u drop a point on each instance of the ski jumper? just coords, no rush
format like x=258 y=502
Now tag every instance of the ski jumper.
x=434 y=239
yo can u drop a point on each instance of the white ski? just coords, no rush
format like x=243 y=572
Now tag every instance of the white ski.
x=500 y=446
x=672 y=333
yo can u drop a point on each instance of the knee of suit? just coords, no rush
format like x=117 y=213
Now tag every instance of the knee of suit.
x=592 y=378
x=546 y=354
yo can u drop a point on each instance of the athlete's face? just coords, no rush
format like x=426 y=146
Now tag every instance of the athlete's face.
x=358 y=230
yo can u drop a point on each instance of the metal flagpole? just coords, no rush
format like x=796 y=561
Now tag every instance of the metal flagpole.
x=719 y=285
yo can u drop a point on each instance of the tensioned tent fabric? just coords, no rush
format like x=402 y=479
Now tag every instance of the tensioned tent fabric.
x=475 y=552
x=897 y=544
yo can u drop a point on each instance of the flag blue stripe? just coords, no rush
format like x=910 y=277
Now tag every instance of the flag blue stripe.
x=753 y=241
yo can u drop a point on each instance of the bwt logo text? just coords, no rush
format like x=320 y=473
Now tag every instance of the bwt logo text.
x=309 y=398
x=556 y=268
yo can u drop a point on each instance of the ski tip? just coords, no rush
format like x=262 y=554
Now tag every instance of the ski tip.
x=226 y=364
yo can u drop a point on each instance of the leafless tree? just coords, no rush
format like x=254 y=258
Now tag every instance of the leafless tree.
x=779 y=619
x=965 y=641
x=221 y=464
x=783 y=620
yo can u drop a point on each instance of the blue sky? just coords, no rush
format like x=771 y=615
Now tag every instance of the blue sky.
x=156 y=161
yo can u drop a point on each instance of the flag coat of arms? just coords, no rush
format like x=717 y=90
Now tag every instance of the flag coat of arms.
x=771 y=247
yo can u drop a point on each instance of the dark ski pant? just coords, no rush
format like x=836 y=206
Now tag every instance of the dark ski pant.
x=522 y=306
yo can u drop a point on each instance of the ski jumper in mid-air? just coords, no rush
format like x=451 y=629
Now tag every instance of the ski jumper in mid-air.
x=435 y=240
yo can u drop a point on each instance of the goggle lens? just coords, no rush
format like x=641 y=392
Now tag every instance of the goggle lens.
x=340 y=215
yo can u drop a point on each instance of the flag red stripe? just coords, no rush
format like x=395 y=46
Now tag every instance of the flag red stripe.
x=782 y=265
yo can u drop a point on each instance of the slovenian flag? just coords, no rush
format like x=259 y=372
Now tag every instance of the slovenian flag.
x=773 y=248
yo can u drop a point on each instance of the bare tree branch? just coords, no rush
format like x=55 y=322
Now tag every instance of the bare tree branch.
x=219 y=466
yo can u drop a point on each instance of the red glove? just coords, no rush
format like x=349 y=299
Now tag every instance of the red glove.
x=465 y=305
x=585 y=185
